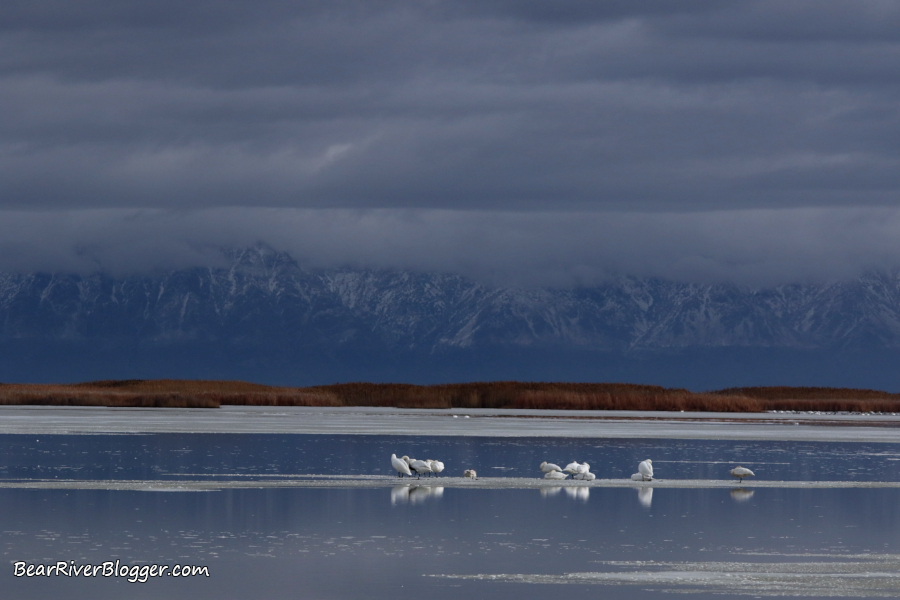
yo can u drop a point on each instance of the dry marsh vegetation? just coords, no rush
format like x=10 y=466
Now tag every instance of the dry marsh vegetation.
x=160 y=393
x=498 y=394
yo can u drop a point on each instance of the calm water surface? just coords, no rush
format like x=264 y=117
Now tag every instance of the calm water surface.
x=451 y=543
x=173 y=456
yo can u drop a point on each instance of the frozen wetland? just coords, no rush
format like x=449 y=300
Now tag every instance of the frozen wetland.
x=304 y=502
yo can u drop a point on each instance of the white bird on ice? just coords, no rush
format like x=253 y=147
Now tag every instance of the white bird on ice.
x=645 y=468
x=437 y=466
x=588 y=476
x=400 y=465
x=420 y=467
x=549 y=467
x=470 y=473
x=572 y=467
x=583 y=468
x=741 y=472
x=555 y=475
x=637 y=477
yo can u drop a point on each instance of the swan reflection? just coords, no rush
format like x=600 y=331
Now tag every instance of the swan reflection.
x=546 y=492
x=578 y=493
x=414 y=494
x=645 y=496
x=420 y=494
x=741 y=495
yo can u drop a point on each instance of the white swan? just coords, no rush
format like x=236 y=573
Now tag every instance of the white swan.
x=437 y=466
x=588 y=476
x=470 y=473
x=420 y=467
x=583 y=468
x=637 y=477
x=645 y=468
x=572 y=468
x=400 y=465
x=555 y=475
x=741 y=472
x=549 y=467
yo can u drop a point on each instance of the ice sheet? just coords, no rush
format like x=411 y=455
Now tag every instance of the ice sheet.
x=873 y=576
x=218 y=482
x=490 y=423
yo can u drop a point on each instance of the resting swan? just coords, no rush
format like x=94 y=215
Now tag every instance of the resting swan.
x=645 y=468
x=400 y=466
x=420 y=467
x=741 y=472
x=572 y=467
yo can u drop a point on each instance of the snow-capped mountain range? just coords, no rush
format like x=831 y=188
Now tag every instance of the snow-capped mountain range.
x=265 y=299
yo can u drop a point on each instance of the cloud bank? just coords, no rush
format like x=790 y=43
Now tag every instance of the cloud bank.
x=751 y=247
x=542 y=142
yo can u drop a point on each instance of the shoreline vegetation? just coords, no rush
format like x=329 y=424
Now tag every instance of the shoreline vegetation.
x=167 y=393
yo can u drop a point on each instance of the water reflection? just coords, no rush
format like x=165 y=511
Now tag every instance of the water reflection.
x=547 y=492
x=741 y=494
x=348 y=543
x=174 y=456
x=415 y=494
x=645 y=496
x=420 y=494
x=579 y=493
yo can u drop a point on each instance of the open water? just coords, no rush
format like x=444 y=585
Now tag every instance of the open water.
x=417 y=541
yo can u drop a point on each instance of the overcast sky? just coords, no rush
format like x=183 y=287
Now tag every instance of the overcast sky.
x=535 y=141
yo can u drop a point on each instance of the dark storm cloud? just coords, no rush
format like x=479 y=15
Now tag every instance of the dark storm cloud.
x=454 y=108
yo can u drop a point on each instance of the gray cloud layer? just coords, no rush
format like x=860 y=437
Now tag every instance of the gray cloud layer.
x=528 y=128
x=753 y=247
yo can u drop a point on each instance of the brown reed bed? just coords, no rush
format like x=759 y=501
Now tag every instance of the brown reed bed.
x=825 y=399
x=494 y=395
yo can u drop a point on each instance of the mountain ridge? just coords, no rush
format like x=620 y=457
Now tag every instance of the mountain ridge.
x=265 y=298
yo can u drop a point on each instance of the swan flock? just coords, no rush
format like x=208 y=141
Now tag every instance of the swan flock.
x=406 y=465
x=578 y=471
